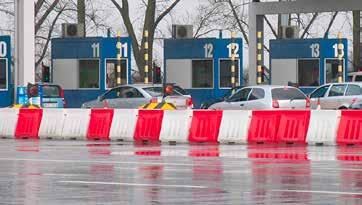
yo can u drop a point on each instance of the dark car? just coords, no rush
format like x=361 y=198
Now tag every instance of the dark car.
x=207 y=104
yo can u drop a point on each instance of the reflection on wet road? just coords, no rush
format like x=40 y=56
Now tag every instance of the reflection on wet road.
x=72 y=172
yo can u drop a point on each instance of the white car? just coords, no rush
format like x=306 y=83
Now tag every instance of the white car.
x=355 y=76
x=135 y=95
x=336 y=95
x=264 y=97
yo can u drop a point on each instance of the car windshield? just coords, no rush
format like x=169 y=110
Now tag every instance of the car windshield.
x=158 y=91
x=51 y=91
x=180 y=90
x=287 y=93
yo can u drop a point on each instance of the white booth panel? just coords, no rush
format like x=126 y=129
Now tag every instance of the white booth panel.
x=65 y=73
x=283 y=70
x=179 y=71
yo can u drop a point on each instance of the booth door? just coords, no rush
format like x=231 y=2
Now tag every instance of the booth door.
x=283 y=71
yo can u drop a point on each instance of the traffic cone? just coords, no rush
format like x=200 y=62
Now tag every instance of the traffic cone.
x=319 y=104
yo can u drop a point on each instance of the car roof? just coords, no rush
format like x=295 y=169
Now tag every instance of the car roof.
x=355 y=73
x=345 y=83
x=270 y=86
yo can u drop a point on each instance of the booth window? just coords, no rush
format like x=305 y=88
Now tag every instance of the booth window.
x=88 y=73
x=3 y=73
x=225 y=73
x=332 y=70
x=308 y=72
x=202 y=74
x=111 y=68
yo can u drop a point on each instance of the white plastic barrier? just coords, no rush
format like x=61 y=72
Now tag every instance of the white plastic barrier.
x=123 y=124
x=323 y=127
x=52 y=124
x=8 y=121
x=76 y=123
x=234 y=126
x=176 y=125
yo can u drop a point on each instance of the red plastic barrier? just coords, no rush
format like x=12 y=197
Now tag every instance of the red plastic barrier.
x=100 y=124
x=293 y=126
x=28 y=123
x=148 y=125
x=350 y=127
x=264 y=126
x=205 y=126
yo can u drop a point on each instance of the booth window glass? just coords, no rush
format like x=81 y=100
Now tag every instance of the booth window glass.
x=332 y=70
x=111 y=68
x=225 y=73
x=202 y=74
x=88 y=73
x=3 y=71
x=308 y=72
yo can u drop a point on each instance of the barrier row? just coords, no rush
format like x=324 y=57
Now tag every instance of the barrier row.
x=259 y=127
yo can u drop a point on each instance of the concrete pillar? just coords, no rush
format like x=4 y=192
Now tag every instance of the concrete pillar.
x=24 y=42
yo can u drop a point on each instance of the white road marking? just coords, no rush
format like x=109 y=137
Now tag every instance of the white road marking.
x=319 y=192
x=135 y=184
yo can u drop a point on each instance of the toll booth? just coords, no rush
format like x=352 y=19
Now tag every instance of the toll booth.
x=87 y=67
x=306 y=62
x=203 y=66
x=6 y=85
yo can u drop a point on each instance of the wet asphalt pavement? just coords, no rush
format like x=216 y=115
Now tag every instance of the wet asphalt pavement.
x=80 y=172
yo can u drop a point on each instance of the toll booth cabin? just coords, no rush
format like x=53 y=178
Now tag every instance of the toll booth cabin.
x=306 y=62
x=87 y=67
x=6 y=86
x=203 y=66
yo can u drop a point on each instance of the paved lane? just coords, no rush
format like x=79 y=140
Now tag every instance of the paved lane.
x=73 y=172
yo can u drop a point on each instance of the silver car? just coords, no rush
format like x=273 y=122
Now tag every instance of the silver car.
x=336 y=95
x=135 y=95
x=264 y=97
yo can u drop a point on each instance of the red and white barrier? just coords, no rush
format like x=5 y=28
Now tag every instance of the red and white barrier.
x=52 y=124
x=8 y=121
x=176 y=125
x=323 y=127
x=76 y=124
x=234 y=126
x=195 y=126
x=123 y=125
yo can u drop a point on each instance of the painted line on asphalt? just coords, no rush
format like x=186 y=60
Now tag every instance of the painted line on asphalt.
x=319 y=192
x=135 y=184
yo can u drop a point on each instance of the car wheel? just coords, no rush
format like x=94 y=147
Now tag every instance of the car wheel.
x=342 y=108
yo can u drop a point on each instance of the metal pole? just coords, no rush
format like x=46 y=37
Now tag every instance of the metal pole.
x=119 y=58
x=146 y=56
x=259 y=57
x=233 y=56
x=340 y=58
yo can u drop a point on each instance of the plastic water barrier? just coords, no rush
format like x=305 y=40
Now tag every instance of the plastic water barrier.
x=234 y=126
x=100 y=124
x=148 y=125
x=8 y=121
x=76 y=123
x=265 y=126
x=350 y=128
x=323 y=127
x=205 y=126
x=176 y=125
x=52 y=124
x=123 y=124
x=28 y=123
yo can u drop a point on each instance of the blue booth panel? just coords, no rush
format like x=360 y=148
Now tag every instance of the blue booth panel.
x=86 y=67
x=6 y=86
x=307 y=62
x=203 y=66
